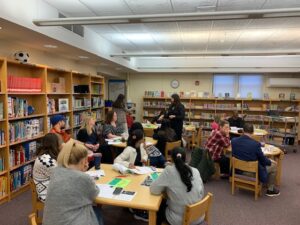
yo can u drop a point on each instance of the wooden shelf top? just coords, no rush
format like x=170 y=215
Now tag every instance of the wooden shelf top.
x=81 y=93
x=23 y=164
x=55 y=113
x=26 y=140
x=98 y=107
x=21 y=188
x=40 y=66
x=2 y=120
x=26 y=117
x=97 y=82
x=81 y=109
x=3 y=197
x=2 y=146
x=3 y=172
x=26 y=93
x=97 y=94
x=63 y=93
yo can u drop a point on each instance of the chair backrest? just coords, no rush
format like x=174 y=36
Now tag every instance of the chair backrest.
x=32 y=220
x=37 y=205
x=251 y=167
x=169 y=147
x=195 y=211
x=198 y=140
x=148 y=132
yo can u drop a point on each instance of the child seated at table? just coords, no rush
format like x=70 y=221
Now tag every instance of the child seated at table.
x=155 y=156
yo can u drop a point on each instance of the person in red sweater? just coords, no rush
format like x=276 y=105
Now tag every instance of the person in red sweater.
x=216 y=143
x=58 y=126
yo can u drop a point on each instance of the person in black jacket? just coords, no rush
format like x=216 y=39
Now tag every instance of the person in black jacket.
x=235 y=120
x=176 y=113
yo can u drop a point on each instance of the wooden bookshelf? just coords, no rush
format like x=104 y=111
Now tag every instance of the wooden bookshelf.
x=56 y=84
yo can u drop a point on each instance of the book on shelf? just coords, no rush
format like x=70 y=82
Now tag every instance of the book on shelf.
x=58 y=86
x=17 y=107
x=1 y=111
x=292 y=97
x=96 y=89
x=20 y=177
x=281 y=96
x=2 y=137
x=266 y=96
x=79 y=103
x=97 y=102
x=51 y=105
x=97 y=115
x=26 y=129
x=22 y=153
x=3 y=185
x=78 y=118
x=24 y=84
x=2 y=163
x=63 y=104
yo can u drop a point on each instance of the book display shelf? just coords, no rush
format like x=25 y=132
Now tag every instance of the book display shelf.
x=29 y=95
x=279 y=116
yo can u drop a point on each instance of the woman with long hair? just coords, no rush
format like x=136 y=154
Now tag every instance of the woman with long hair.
x=164 y=134
x=111 y=128
x=45 y=162
x=183 y=186
x=71 y=192
x=176 y=113
x=119 y=106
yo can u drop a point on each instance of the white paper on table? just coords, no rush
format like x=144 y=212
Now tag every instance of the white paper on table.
x=96 y=173
x=106 y=191
x=148 y=143
x=142 y=170
x=114 y=142
x=234 y=129
x=113 y=139
x=268 y=149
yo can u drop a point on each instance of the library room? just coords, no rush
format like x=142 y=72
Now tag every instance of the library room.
x=149 y=112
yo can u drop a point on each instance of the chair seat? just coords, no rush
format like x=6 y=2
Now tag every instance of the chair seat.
x=245 y=177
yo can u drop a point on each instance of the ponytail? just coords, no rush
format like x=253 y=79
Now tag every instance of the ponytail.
x=185 y=172
x=71 y=154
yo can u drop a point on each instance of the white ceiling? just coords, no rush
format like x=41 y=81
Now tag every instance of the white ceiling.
x=203 y=36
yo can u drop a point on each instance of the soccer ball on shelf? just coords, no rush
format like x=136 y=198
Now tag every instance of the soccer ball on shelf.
x=22 y=57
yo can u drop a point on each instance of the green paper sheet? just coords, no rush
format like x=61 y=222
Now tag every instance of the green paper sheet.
x=123 y=183
x=154 y=175
x=114 y=181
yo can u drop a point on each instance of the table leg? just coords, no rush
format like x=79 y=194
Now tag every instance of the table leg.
x=152 y=217
x=279 y=168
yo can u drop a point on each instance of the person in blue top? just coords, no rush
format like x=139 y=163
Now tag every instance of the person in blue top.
x=247 y=149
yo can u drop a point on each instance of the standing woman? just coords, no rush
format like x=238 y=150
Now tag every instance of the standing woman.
x=175 y=114
x=120 y=108
x=71 y=192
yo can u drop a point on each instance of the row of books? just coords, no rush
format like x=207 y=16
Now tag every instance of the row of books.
x=96 y=89
x=1 y=111
x=57 y=105
x=78 y=118
x=17 y=107
x=20 y=177
x=2 y=137
x=3 y=185
x=97 y=102
x=67 y=123
x=2 y=163
x=81 y=103
x=97 y=114
x=75 y=132
x=24 y=84
x=26 y=129
x=155 y=104
x=22 y=153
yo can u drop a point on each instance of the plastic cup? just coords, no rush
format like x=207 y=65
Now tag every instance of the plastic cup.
x=97 y=161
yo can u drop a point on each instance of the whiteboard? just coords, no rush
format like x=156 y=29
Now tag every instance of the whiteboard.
x=116 y=87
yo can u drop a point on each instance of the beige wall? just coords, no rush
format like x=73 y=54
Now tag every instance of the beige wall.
x=8 y=48
x=139 y=82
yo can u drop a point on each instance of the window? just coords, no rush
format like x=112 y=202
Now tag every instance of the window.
x=242 y=84
x=224 y=84
x=250 y=84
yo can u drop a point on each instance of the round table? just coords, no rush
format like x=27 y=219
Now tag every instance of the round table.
x=148 y=141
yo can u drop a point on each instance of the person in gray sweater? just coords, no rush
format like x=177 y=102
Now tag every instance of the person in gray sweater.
x=183 y=186
x=71 y=192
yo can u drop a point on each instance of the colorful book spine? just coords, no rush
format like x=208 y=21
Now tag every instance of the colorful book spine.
x=1 y=111
x=24 y=84
x=17 y=107
x=3 y=186
x=2 y=137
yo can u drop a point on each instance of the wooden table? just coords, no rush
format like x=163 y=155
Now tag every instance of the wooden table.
x=150 y=140
x=276 y=154
x=142 y=200
x=149 y=129
x=258 y=134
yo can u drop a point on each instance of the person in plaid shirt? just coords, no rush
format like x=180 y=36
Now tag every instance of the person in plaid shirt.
x=217 y=141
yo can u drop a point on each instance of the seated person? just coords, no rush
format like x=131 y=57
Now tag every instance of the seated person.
x=159 y=117
x=58 y=126
x=110 y=130
x=164 y=134
x=134 y=154
x=155 y=156
x=71 y=192
x=235 y=120
x=45 y=162
x=216 y=143
x=247 y=149
x=182 y=185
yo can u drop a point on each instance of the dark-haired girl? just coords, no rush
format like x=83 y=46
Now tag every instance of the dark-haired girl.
x=175 y=114
x=119 y=106
x=45 y=162
x=134 y=154
x=183 y=186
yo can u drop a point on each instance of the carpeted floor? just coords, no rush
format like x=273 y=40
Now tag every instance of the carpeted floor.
x=240 y=209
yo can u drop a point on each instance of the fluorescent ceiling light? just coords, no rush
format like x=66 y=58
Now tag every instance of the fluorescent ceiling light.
x=83 y=57
x=0 y=28
x=50 y=46
x=152 y=18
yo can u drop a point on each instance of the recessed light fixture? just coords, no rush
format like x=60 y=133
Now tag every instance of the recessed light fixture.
x=0 y=28
x=83 y=57
x=50 y=46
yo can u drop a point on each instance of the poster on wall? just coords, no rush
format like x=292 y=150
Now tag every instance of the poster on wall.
x=116 y=87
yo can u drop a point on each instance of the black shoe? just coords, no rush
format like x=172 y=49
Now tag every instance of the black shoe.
x=141 y=216
x=273 y=193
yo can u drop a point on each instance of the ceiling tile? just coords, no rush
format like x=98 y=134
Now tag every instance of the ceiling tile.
x=193 y=5
x=230 y=24
x=194 y=26
x=161 y=27
x=222 y=40
x=130 y=28
x=149 y=7
x=102 y=29
x=228 y=5
x=270 y=4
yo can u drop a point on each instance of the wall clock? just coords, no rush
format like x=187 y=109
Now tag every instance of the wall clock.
x=174 y=83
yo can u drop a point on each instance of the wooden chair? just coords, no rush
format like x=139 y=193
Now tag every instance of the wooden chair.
x=37 y=205
x=198 y=139
x=148 y=132
x=169 y=147
x=193 y=212
x=32 y=220
x=245 y=181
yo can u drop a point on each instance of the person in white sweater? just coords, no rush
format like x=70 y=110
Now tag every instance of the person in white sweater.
x=183 y=186
x=134 y=154
x=45 y=162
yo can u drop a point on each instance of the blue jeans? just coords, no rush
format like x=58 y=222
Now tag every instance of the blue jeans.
x=158 y=161
x=98 y=214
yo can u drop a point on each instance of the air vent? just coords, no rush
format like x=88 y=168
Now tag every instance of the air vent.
x=76 y=29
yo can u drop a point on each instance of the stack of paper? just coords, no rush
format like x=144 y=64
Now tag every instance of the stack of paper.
x=106 y=191
x=96 y=174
